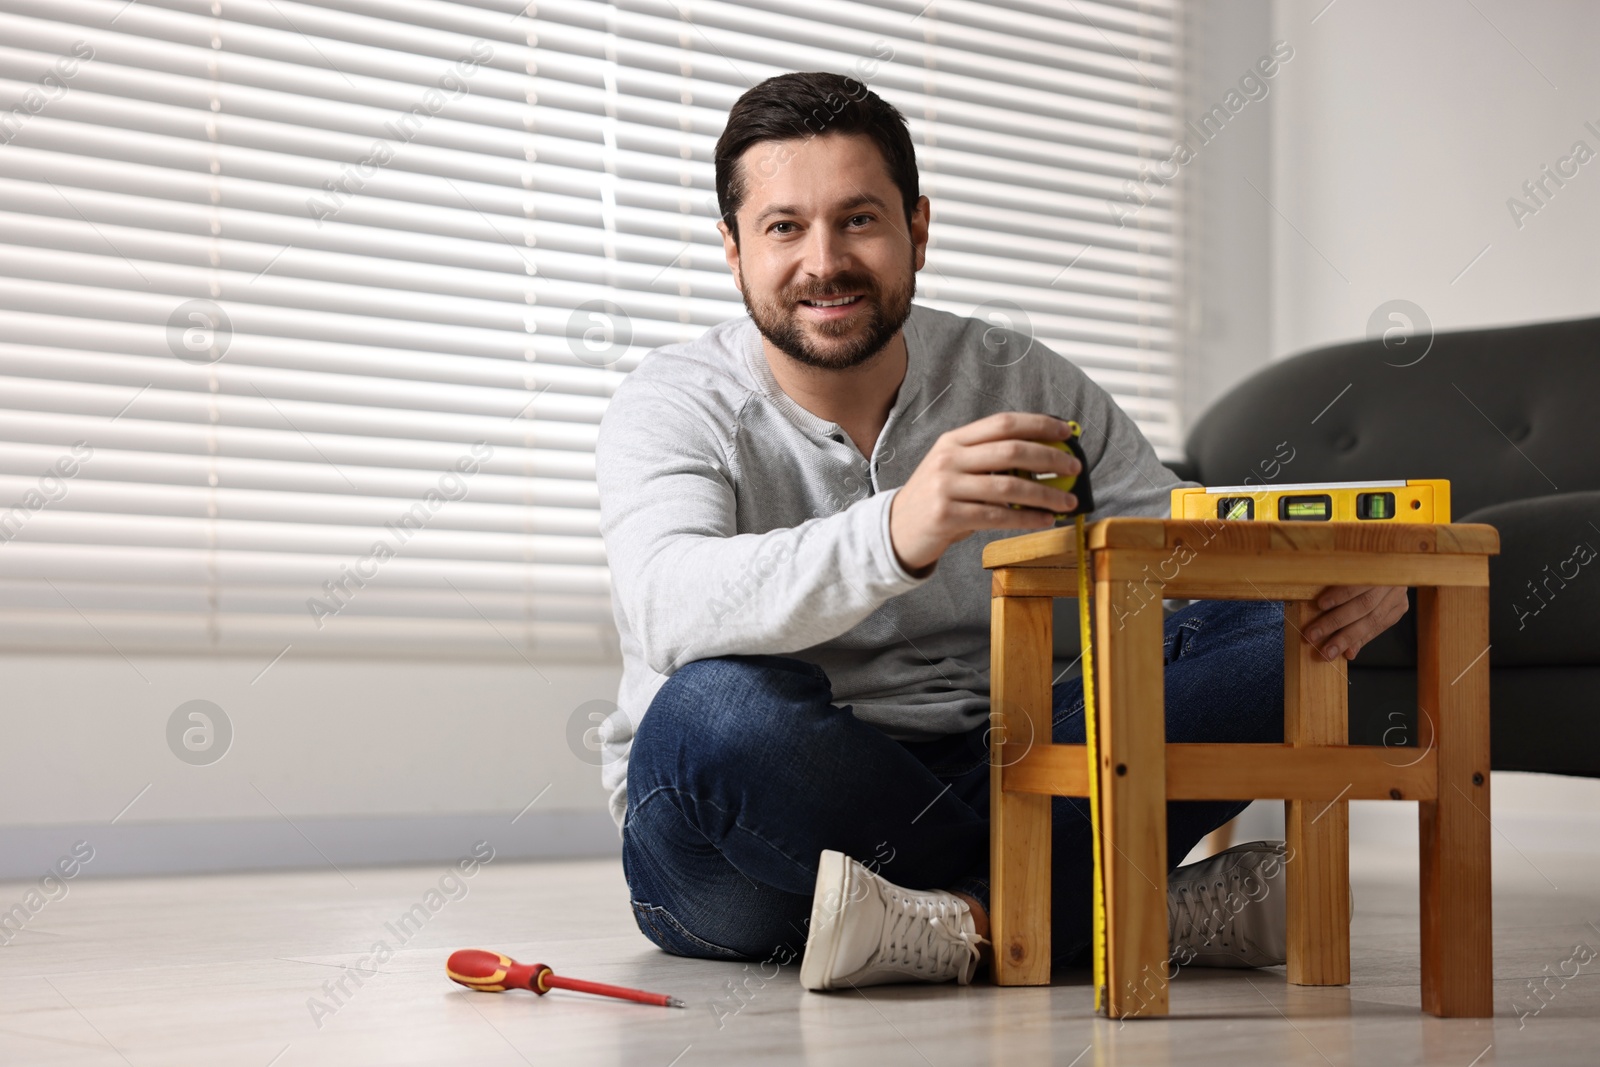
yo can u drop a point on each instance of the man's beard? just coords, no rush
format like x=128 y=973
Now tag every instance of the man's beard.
x=858 y=338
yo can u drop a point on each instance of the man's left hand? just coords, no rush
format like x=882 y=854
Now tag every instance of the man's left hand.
x=1352 y=615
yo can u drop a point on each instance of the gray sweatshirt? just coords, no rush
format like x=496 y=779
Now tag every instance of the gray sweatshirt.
x=737 y=522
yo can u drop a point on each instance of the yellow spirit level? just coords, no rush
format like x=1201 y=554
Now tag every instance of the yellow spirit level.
x=1411 y=500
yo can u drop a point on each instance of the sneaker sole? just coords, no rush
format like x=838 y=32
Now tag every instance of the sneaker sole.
x=822 y=940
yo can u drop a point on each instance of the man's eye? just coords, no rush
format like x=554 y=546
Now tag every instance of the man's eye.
x=854 y=218
x=775 y=225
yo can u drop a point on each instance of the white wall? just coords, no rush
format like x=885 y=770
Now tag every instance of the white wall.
x=1400 y=131
x=1227 y=235
x=1383 y=159
x=338 y=762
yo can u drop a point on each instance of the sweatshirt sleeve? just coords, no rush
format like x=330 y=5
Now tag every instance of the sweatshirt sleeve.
x=689 y=585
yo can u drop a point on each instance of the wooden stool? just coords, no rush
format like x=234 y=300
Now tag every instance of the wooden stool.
x=1135 y=563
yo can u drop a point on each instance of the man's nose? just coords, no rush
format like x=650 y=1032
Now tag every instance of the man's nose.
x=826 y=254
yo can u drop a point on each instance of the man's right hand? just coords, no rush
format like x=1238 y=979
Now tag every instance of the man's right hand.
x=953 y=493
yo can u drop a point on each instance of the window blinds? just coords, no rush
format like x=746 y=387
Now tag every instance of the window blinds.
x=309 y=312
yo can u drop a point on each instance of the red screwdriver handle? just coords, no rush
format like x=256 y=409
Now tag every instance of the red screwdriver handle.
x=491 y=972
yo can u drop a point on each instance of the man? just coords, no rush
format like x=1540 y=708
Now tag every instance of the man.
x=794 y=507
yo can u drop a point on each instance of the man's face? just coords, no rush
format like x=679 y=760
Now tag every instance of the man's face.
x=822 y=221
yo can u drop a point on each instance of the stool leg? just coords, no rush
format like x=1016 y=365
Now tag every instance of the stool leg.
x=1453 y=687
x=1019 y=823
x=1133 y=778
x=1317 y=875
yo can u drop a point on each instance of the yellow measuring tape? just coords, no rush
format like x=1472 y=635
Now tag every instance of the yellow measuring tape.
x=1086 y=641
x=1078 y=485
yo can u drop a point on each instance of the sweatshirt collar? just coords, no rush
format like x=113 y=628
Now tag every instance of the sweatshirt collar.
x=910 y=386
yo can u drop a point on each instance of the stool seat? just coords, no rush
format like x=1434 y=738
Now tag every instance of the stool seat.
x=1135 y=563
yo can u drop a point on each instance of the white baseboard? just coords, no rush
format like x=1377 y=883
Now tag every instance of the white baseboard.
x=167 y=848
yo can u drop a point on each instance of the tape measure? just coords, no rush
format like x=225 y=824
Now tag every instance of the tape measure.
x=1090 y=733
x=1078 y=485
x=1411 y=500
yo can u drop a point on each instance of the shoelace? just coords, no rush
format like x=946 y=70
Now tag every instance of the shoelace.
x=929 y=947
x=1203 y=908
x=1198 y=907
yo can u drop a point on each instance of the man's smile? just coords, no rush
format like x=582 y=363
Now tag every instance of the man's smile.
x=833 y=308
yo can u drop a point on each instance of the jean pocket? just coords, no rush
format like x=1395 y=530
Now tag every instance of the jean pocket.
x=669 y=935
x=1179 y=638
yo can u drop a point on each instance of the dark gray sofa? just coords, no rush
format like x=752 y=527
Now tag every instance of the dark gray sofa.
x=1512 y=417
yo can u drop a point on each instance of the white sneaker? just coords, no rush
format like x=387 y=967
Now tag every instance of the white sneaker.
x=1229 y=910
x=865 y=930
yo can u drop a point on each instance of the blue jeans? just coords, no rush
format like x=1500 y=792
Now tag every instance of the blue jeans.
x=742 y=772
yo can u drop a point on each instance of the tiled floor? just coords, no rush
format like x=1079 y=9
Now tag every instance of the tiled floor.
x=228 y=970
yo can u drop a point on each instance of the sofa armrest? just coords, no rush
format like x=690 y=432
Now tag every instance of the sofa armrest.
x=1184 y=469
x=1544 y=586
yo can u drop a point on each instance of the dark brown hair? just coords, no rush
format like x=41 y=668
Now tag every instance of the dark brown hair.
x=804 y=105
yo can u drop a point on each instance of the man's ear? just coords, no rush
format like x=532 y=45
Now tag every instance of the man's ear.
x=921 y=216
x=730 y=252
